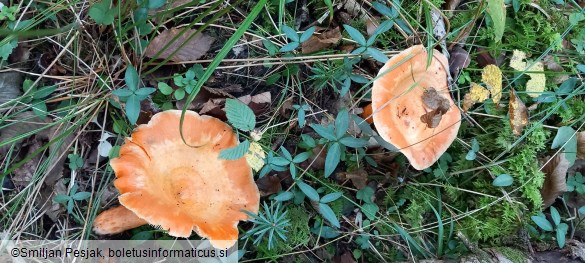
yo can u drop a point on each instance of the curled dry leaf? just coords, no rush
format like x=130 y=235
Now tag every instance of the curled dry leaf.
x=318 y=42
x=492 y=77
x=581 y=145
x=186 y=49
x=438 y=104
x=555 y=181
x=518 y=113
x=476 y=94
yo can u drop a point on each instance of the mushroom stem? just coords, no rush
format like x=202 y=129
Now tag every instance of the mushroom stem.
x=116 y=220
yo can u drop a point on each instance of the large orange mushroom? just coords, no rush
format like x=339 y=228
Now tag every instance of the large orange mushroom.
x=184 y=187
x=412 y=108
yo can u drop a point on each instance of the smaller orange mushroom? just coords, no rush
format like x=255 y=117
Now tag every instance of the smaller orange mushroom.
x=367 y=114
x=412 y=107
x=181 y=187
x=116 y=220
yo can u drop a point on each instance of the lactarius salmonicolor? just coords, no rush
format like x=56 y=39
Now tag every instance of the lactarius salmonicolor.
x=182 y=187
x=412 y=108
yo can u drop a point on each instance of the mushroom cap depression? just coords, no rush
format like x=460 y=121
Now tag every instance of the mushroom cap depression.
x=180 y=187
x=412 y=107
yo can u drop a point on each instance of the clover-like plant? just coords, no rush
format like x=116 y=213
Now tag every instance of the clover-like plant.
x=295 y=39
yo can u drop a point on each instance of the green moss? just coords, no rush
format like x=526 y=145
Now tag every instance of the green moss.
x=299 y=226
x=514 y=255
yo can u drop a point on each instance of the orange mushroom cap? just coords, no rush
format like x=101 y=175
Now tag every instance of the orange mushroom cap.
x=181 y=188
x=400 y=114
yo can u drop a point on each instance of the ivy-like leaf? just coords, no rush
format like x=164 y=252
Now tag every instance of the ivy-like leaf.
x=240 y=115
x=236 y=152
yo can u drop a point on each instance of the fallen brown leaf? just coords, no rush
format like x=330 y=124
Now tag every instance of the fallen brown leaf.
x=358 y=177
x=438 y=105
x=191 y=49
x=458 y=60
x=518 y=114
x=321 y=41
x=581 y=145
x=268 y=185
x=555 y=181
x=343 y=258
x=484 y=58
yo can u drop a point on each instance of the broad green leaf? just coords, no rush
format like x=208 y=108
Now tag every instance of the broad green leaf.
x=330 y=197
x=145 y=91
x=240 y=115
x=6 y=49
x=125 y=92
x=365 y=194
x=284 y=196
x=565 y=136
x=341 y=123
x=323 y=132
x=355 y=35
x=131 y=77
x=289 y=47
x=385 y=10
x=582 y=210
x=470 y=155
x=40 y=108
x=575 y=18
x=81 y=196
x=179 y=94
x=61 y=199
x=154 y=4
x=567 y=86
x=353 y=142
x=561 y=234
x=542 y=222
x=554 y=214
x=280 y=161
x=328 y=214
x=377 y=54
x=301 y=157
x=370 y=210
x=301 y=117
x=44 y=92
x=236 y=152
x=101 y=12
x=497 y=11
x=132 y=109
x=581 y=68
x=285 y=153
x=165 y=88
x=309 y=191
x=503 y=180
x=474 y=145
x=333 y=158
x=290 y=33
x=307 y=34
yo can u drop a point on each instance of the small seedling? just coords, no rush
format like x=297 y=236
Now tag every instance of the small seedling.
x=69 y=200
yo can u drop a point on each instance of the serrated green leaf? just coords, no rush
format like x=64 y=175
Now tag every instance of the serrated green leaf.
x=542 y=222
x=240 y=115
x=503 y=180
x=333 y=158
x=330 y=197
x=132 y=109
x=236 y=152
x=309 y=191
x=328 y=214
x=497 y=11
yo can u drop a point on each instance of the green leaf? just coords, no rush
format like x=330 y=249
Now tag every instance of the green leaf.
x=370 y=210
x=326 y=133
x=503 y=180
x=565 y=136
x=61 y=199
x=328 y=214
x=286 y=153
x=329 y=5
x=301 y=157
x=284 y=196
x=582 y=210
x=353 y=142
x=333 y=158
x=154 y=4
x=474 y=145
x=377 y=54
x=81 y=196
x=561 y=234
x=6 y=49
x=330 y=197
x=40 y=108
x=165 y=88
x=240 y=115
x=307 y=34
x=290 y=33
x=567 y=86
x=132 y=109
x=365 y=194
x=381 y=29
x=125 y=92
x=101 y=12
x=470 y=155
x=75 y=161
x=581 y=68
x=236 y=152
x=554 y=214
x=385 y=10
x=355 y=35
x=309 y=191
x=301 y=117
x=497 y=11
x=44 y=92
x=145 y=91
x=575 y=18
x=131 y=78
x=289 y=47
x=179 y=94
x=341 y=123
x=542 y=222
